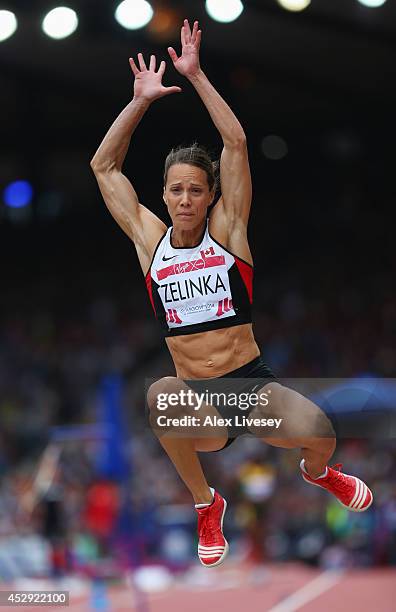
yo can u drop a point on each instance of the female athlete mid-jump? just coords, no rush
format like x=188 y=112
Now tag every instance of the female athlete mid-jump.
x=199 y=278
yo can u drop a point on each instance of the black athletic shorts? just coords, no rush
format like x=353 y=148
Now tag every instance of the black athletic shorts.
x=252 y=377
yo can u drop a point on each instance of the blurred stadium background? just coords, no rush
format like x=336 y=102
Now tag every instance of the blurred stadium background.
x=88 y=499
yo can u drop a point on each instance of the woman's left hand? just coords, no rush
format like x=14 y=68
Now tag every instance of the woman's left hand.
x=188 y=63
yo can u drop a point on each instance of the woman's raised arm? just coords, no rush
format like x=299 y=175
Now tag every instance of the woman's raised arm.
x=139 y=223
x=235 y=178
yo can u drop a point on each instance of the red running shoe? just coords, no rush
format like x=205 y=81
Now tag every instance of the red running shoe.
x=350 y=491
x=212 y=545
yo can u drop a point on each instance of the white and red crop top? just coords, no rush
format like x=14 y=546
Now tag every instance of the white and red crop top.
x=199 y=288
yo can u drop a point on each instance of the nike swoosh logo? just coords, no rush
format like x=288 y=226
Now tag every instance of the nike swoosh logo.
x=168 y=258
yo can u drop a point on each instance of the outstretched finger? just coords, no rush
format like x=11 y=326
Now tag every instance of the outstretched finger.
x=161 y=68
x=152 y=62
x=198 y=39
x=133 y=66
x=173 y=54
x=141 y=62
x=183 y=36
x=194 y=32
x=187 y=31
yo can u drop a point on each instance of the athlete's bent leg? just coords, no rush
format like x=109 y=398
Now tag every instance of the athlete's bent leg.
x=181 y=448
x=180 y=444
x=304 y=425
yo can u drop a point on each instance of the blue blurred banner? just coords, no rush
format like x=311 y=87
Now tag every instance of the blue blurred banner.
x=112 y=461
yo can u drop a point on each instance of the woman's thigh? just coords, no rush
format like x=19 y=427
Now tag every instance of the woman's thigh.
x=295 y=416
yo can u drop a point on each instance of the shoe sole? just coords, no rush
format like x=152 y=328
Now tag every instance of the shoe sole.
x=340 y=502
x=226 y=547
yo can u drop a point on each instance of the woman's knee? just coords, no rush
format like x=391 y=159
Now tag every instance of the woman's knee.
x=159 y=391
x=167 y=398
x=316 y=434
x=322 y=427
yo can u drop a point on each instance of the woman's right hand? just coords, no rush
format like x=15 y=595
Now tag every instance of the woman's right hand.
x=148 y=83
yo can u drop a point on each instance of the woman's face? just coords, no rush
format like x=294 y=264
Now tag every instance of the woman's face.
x=187 y=195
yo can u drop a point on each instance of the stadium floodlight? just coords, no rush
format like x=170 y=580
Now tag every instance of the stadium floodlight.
x=294 y=5
x=224 y=11
x=59 y=23
x=372 y=3
x=8 y=24
x=134 y=14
